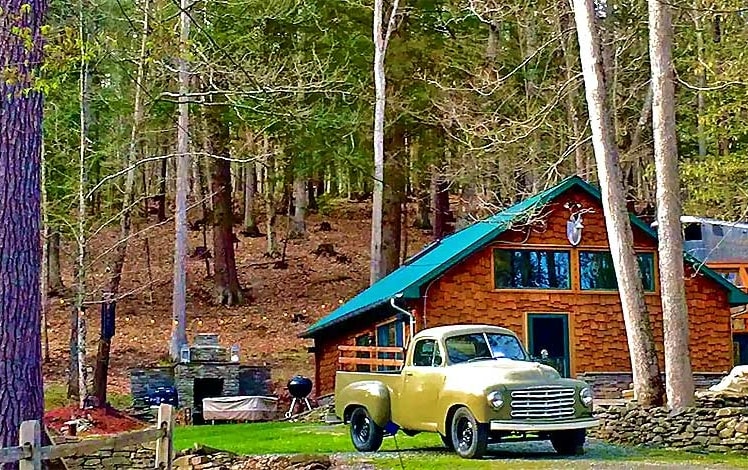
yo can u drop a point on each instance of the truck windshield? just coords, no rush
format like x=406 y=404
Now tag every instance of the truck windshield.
x=480 y=346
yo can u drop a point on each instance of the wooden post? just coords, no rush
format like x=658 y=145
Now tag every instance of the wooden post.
x=31 y=435
x=164 y=445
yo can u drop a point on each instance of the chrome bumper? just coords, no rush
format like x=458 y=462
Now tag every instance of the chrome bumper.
x=524 y=426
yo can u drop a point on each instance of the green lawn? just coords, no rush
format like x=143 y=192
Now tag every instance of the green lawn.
x=426 y=450
x=55 y=396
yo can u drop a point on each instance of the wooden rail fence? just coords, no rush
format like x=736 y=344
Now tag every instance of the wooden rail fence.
x=372 y=356
x=30 y=453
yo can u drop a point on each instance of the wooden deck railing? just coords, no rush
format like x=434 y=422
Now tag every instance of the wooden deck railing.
x=30 y=453
x=371 y=356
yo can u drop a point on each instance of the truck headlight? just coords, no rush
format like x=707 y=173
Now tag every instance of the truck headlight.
x=585 y=396
x=495 y=400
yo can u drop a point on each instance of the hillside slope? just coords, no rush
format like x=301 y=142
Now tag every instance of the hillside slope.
x=284 y=301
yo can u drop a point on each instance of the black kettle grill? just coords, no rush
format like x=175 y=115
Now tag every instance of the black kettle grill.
x=299 y=387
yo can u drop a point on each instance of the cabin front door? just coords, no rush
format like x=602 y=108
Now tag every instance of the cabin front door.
x=548 y=340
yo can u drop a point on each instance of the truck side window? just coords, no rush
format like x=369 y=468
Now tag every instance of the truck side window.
x=424 y=351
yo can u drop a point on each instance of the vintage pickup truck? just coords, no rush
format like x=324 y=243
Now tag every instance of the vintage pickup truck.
x=472 y=384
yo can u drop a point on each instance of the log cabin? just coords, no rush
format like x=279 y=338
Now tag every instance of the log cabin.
x=543 y=269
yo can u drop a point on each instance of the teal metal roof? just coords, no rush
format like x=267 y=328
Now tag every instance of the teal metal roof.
x=438 y=257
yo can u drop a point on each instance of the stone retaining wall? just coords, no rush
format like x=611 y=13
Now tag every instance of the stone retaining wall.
x=136 y=457
x=227 y=461
x=716 y=424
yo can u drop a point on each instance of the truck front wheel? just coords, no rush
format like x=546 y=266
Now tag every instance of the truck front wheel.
x=569 y=442
x=469 y=437
x=365 y=433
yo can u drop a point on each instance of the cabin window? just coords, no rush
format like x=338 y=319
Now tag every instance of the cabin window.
x=731 y=276
x=426 y=354
x=596 y=271
x=692 y=232
x=531 y=269
x=363 y=340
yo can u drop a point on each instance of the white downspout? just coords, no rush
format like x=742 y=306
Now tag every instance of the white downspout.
x=410 y=315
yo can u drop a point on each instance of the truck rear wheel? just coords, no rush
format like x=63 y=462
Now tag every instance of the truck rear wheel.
x=469 y=437
x=569 y=442
x=365 y=433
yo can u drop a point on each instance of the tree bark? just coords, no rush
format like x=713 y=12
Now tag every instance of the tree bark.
x=80 y=271
x=54 y=285
x=179 y=300
x=679 y=383
x=644 y=365
x=21 y=391
x=250 y=196
x=393 y=197
x=381 y=35
x=565 y=21
x=301 y=202
x=161 y=197
x=117 y=263
x=226 y=289
x=271 y=175
x=441 y=205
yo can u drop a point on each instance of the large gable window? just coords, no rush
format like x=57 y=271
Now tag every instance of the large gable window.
x=531 y=269
x=596 y=271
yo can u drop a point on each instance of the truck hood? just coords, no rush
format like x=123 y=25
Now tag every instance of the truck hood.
x=504 y=371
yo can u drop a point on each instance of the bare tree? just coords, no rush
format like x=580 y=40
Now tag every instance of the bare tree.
x=179 y=301
x=78 y=356
x=644 y=365
x=679 y=377
x=381 y=35
x=300 y=203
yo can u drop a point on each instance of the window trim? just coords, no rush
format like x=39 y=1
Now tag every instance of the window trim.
x=436 y=348
x=655 y=271
x=551 y=248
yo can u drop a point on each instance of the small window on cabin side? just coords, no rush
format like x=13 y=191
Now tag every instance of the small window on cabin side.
x=531 y=269
x=692 y=232
x=363 y=340
x=596 y=271
x=717 y=231
x=731 y=276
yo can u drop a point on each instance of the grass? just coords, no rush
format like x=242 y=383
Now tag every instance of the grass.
x=425 y=450
x=55 y=396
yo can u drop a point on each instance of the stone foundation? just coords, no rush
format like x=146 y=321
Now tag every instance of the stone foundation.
x=716 y=424
x=612 y=384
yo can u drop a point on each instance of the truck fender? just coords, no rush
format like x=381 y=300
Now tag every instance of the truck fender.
x=372 y=395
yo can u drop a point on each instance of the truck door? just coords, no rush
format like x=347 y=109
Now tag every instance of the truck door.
x=422 y=379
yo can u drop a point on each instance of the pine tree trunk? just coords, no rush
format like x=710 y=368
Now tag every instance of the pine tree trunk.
x=441 y=204
x=301 y=202
x=644 y=365
x=55 y=285
x=250 y=196
x=21 y=391
x=679 y=377
x=393 y=197
x=226 y=289
x=271 y=175
x=179 y=300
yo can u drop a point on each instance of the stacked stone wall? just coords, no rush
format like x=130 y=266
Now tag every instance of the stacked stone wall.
x=715 y=424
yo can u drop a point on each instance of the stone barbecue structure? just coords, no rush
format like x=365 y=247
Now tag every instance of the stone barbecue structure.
x=207 y=370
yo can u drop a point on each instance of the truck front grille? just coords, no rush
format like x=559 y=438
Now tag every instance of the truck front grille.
x=543 y=403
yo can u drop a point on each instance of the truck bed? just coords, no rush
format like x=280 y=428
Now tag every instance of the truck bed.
x=390 y=378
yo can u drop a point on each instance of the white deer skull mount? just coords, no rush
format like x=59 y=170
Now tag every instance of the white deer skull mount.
x=574 y=225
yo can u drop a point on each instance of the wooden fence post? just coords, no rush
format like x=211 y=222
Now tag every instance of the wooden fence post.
x=164 y=445
x=31 y=435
